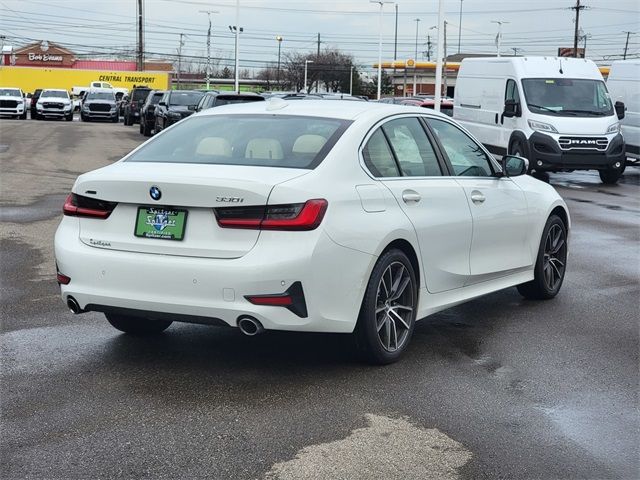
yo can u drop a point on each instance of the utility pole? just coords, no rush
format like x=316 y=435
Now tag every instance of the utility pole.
x=237 y=48
x=395 y=39
x=429 y=48
x=515 y=51
x=438 y=86
x=626 y=45
x=444 y=69
x=209 y=12
x=460 y=26
x=140 y=63
x=415 y=59
x=499 y=35
x=577 y=8
x=180 y=57
x=351 y=81
x=317 y=59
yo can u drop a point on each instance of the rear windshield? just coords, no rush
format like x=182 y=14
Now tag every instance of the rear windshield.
x=260 y=140
x=185 y=98
x=140 y=94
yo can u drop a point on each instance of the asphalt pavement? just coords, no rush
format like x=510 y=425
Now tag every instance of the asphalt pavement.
x=499 y=387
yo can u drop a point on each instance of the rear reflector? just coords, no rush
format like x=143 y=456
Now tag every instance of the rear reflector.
x=277 y=300
x=295 y=216
x=62 y=279
x=79 y=206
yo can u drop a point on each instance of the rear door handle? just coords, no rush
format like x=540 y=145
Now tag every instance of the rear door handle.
x=477 y=197
x=411 y=197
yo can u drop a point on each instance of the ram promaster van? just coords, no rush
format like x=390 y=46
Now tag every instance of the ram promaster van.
x=554 y=111
x=624 y=85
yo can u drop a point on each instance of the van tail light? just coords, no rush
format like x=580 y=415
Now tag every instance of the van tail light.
x=79 y=206
x=295 y=216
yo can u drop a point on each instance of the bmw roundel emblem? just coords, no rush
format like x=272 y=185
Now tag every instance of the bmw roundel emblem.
x=155 y=193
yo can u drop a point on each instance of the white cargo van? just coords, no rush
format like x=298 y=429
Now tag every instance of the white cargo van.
x=554 y=111
x=624 y=85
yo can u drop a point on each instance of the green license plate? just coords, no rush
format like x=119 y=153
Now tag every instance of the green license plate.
x=161 y=222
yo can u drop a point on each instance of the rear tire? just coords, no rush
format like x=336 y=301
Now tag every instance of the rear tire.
x=115 y=119
x=24 y=115
x=137 y=325
x=388 y=311
x=146 y=131
x=611 y=175
x=551 y=263
x=69 y=118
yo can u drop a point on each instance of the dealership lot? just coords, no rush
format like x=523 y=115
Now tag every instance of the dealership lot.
x=499 y=387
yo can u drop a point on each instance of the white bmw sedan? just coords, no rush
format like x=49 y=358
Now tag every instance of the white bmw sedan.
x=312 y=216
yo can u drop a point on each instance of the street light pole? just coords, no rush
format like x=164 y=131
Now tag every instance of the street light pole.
x=381 y=3
x=209 y=12
x=279 y=39
x=499 y=36
x=306 y=63
x=415 y=77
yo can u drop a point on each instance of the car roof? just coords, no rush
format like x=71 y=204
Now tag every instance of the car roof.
x=101 y=90
x=340 y=109
x=54 y=90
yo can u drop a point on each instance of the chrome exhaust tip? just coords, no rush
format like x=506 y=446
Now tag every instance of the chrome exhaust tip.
x=250 y=326
x=73 y=306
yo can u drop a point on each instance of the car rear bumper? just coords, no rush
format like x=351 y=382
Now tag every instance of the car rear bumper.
x=545 y=154
x=209 y=290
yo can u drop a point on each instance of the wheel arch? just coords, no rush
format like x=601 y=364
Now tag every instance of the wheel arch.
x=561 y=212
x=518 y=135
x=406 y=247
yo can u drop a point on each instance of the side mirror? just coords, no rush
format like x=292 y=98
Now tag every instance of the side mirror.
x=513 y=166
x=511 y=109
x=162 y=104
x=620 y=108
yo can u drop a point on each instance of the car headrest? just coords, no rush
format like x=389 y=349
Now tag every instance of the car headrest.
x=264 y=149
x=309 y=144
x=214 y=146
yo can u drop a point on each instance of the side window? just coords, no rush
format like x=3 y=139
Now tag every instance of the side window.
x=511 y=92
x=466 y=156
x=412 y=148
x=378 y=158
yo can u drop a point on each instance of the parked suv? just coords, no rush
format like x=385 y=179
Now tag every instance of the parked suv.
x=147 y=112
x=54 y=103
x=174 y=106
x=99 y=103
x=216 y=99
x=12 y=103
x=134 y=104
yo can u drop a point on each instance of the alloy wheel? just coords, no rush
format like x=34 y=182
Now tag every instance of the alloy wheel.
x=394 y=307
x=555 y=257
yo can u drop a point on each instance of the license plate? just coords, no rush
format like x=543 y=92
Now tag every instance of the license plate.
x=161 y=222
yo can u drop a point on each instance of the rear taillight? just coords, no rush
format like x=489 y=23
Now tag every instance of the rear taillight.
x=296 y=216
x=79 y=206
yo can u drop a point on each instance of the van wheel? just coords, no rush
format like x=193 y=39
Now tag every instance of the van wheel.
x=137 y=325
x=611 y=175
x=520 y=150
x=388 y=312
x=551 y=263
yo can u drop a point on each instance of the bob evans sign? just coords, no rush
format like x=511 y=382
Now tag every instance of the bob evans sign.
x=44 y=57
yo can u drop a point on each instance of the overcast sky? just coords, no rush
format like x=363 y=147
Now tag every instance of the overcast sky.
x=534 y=27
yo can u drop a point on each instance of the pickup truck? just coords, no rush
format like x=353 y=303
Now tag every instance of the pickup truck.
x=80 y=91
